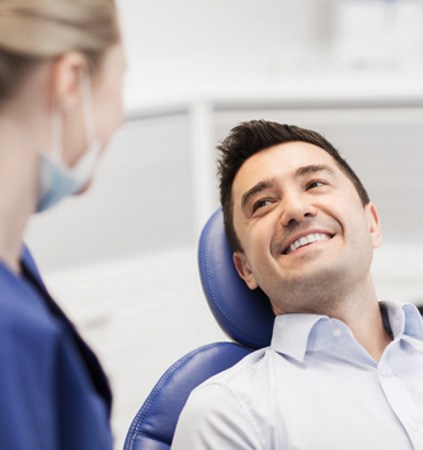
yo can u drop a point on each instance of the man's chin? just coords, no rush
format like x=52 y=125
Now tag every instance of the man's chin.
x=310 y=278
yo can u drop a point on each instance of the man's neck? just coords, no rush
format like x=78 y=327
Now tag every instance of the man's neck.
x=362 y=314
x=369 y=330
x=359 y=309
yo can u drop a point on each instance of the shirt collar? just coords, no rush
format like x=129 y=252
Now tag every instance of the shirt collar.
x=291 y=332
x=404 y=320
x=295 y=334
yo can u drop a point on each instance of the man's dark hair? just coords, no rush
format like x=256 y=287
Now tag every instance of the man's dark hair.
x=249 y=138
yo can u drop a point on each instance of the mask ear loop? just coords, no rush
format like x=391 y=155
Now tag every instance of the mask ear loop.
x=56 y=134
x=88 y=108
x=84 y=167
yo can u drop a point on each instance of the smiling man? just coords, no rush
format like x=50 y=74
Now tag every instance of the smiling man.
x=343 y=370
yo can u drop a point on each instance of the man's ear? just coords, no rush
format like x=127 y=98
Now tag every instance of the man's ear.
x=374 y=224
x=243 y=269
x=67 y=71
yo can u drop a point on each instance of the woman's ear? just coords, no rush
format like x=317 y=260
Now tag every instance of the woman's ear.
x=243 y=269
x=67 y=73
x=374 y=224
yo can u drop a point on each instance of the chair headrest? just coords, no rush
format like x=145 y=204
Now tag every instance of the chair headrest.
x=244 y=315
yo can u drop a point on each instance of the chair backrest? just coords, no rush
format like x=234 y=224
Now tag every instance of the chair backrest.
x=155 y=422
x=244 y=315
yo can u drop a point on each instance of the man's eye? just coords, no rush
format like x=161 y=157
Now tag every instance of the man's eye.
x=261 y=203
x=315 y=184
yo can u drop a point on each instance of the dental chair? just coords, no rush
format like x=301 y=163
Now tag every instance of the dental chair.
x=246 y=318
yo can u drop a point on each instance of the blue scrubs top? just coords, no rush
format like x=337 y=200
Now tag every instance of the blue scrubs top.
x=53 y=393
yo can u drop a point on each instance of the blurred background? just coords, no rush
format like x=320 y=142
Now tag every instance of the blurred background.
x=121 y=260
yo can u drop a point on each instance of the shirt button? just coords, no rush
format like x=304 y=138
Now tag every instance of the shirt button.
x=337 y=332
x=414 y=426
x=385 y=372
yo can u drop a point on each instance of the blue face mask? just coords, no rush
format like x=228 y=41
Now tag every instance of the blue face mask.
x=56 y=180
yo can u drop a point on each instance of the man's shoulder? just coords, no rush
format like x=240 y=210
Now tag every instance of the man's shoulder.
x=232 y=401
x=241 y=375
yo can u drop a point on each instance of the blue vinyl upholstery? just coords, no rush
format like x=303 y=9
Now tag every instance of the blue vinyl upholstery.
x=155 y=422
x=244 y=315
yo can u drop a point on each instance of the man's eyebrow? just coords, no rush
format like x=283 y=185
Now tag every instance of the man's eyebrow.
x=259 y=187
x=266 y=184
x=313 y=168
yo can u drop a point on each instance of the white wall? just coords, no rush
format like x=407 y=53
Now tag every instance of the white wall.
x=183 y=45
x=202 y=30
x=187 y=44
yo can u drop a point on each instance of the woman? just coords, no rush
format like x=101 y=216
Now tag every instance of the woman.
x=61 y=63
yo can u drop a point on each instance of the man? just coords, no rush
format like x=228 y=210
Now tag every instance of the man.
x=343 y=371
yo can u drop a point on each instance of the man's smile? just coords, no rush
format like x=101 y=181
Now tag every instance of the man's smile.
x=306 y=239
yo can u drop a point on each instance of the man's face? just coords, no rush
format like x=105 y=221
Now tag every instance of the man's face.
x=302 y=226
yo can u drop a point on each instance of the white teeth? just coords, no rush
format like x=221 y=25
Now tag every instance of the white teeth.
x=309 y=239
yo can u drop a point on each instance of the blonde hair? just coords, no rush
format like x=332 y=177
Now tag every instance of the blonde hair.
x=36 y=30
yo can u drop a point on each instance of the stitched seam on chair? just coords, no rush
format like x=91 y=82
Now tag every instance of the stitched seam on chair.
x=155 y=437
x=139 y=418
x=210 y=286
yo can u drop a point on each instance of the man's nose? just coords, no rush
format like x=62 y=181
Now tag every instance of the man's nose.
x=295 y=209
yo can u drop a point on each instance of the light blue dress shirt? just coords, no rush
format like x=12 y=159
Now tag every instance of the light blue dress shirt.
x=316 y=388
